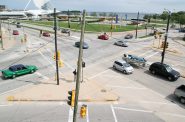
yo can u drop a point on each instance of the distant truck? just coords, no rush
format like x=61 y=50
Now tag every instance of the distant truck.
x=132 y=59
x=180 y=93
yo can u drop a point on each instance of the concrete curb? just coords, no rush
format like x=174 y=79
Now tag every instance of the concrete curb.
x=13 y=99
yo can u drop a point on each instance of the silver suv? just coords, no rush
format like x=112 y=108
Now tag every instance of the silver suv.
x=122 y=66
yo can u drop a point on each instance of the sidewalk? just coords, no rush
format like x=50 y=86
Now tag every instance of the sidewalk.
x=8 y=42
x=90 y=91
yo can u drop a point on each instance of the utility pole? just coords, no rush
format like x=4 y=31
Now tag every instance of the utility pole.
x=56 y=50
x=79 y=67
x=69 y=26
x=1 y=35
x=111 y=26
x=166 y=36
x=137 y=24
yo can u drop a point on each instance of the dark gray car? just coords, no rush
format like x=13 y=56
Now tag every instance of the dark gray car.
x=85 y=45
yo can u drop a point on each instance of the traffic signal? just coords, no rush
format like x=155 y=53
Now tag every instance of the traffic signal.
x=162 y=45
x=83 y=64
x=58 y=54
x=54 y=56
x=71 y=98
x=166 y=44
x=83 y=111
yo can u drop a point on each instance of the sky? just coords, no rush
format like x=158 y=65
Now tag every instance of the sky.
x=133 y=6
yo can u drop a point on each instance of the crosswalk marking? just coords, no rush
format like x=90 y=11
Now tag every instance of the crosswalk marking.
x=113 y=112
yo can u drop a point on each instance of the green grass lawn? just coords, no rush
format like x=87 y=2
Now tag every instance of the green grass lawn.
x=89 y=26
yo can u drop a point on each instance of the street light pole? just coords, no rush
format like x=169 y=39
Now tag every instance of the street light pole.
x=137 y=24
x=79 y=67
x=166 y=36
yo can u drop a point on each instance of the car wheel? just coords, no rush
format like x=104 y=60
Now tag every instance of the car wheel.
x=153 y=72
x=13 y=76
x=124 y=72
x=32 y=71
x=182 y=100
x=114 y=67
x=169 y=78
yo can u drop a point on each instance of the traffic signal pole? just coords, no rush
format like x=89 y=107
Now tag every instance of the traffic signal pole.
x=79 y=67
x=166 y=36
x=137 y=24
x=69 y=26
x=56 y=50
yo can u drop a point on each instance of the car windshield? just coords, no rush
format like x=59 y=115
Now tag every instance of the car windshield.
x=168 y=68
x=126 y=65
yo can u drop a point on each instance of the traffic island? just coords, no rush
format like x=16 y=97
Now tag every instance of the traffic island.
x=90 y=91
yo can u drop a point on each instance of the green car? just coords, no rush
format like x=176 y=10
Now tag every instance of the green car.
x=18 y=70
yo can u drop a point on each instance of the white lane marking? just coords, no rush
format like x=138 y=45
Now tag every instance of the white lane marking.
x=171 y=114
x=70 y=119
x=151 y=102
x=126 y=87
x=113 y=112
x=145 y=52
x=147 y=57
x=98 y=74
x=5 y=105
x=15 y=89
x=76 y=37
x=46 y=59
x=41 y=75
x=87 y=114
x=129 y=109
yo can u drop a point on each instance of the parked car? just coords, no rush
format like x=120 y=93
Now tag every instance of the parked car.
x=122 y=66
x=85 y=45
x=17 y=70
x=164 y=70
x=15 y=32
x=65 y=30
x=129 y=36
x=103 y=36
x=121 y=43
x=46 y=34
x=180 y=93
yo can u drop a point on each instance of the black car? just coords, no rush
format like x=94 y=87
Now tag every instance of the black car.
x=129 y=36
x=164 y=70
x=85 y=45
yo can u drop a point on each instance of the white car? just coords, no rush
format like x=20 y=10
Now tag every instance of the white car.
x=122 y=66
x=121 y=43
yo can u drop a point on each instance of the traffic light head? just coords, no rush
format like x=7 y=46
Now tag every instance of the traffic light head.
x=71 y=98
x=54 y=57
x=166 y=44
x=83 y=64
x=162 y=45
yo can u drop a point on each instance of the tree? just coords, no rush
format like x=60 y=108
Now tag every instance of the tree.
x=147 y=16
x=164 y=15
x=103 y=14
x=93 y=14
x=112 y=14
x=182 y=19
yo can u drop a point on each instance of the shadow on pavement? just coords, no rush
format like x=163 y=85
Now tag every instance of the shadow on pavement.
x=172 y=98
